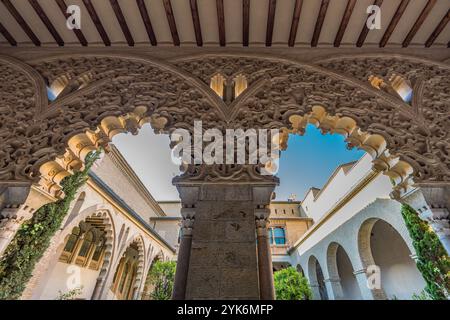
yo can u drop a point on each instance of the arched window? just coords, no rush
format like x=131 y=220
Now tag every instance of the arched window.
x=70 y=245
x=396 y=85
x=240 y=84
x=228 y=88
x=98 y=254
x=277 y=236
x=125 y=275
x=218 y=84
x=85 y=249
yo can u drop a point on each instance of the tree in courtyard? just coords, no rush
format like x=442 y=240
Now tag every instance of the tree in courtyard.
x=160 y=280
x=432 y=259
x=291 y=285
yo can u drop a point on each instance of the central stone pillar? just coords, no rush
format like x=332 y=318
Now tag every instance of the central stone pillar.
x=218 y=259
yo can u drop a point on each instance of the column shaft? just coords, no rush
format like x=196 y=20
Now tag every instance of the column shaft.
x=265 y=269
x=184 y=255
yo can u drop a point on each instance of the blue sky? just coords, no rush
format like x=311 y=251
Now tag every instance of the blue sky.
x=308 y=162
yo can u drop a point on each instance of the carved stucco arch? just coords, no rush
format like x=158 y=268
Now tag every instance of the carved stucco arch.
x=139 y=241
x=128 y=91
x=105 y=213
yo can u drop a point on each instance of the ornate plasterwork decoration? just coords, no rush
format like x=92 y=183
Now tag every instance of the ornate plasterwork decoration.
x=424 y=142
x=46 y=142
x=415 y=134
x=223 y=173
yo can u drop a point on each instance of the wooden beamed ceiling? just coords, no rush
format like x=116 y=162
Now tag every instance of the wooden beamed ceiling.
x=296 y=22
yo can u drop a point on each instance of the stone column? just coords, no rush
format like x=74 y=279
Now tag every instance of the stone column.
x=366 y=292
x=184 y=254
x=223 y=261
x=315 y=288
x=334 y=288
x=432 y=203
x=265 y=269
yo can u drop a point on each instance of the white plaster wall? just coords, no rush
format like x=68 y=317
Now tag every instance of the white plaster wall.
x=121 y=185
x=62 y=278
x=380 y=187
x=171 y=209
x=346 y=235
x=399 y=275
x=349 y=284
x=337 y=188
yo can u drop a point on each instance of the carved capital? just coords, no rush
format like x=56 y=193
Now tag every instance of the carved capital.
x=262 y=221
x=187 y=222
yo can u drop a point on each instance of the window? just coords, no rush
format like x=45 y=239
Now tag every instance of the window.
x=218 y=84
x=71 y=243
x=125 y=275
x=277 y=236
x=84 y=247
x=240 y=84
x=396 y=85
x=228 y=88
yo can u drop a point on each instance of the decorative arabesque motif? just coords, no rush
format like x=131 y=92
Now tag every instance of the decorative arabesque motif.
x=43 y=142
x=418 y=134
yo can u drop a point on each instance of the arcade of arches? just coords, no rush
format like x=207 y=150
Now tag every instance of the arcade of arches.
x=101 y=95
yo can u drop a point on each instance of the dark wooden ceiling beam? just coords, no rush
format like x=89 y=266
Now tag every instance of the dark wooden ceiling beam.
x=420 y=20
x=365 y=31
x=63 y=7
x=46 y=21
x=26 y=28
x=7 y=35
x=438 y=30
x=96 y=20
x=344 y=22
x=196 y=22
x=245 y=22
x=295 y=22
x=147 y=23
x=122 y=22
x=221 y=22
x=394 y=21
x=171 y=21
x=319 y=22
x=270 y=21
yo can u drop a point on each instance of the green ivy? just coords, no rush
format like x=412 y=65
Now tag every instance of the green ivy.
x=33 y=237
x=291 y=285
x=432 y=259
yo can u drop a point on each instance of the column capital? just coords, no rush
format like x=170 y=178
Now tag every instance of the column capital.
x=187 y=222
x=332 y=280
x=262 y=213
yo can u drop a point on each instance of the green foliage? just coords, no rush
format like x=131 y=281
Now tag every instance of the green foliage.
x=160 y=280
x=70 y=295
x=33 y=237
x=432 y=259
x=291 y=285
x=422 y=295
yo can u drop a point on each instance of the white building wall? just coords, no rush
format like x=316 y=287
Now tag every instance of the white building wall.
x=380 y=187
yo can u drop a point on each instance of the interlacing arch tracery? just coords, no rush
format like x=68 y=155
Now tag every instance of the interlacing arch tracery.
x=44 y=142
x=130 y=277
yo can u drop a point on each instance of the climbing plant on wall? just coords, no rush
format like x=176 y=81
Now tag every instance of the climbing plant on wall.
x=33 y=237
x=432 y=259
